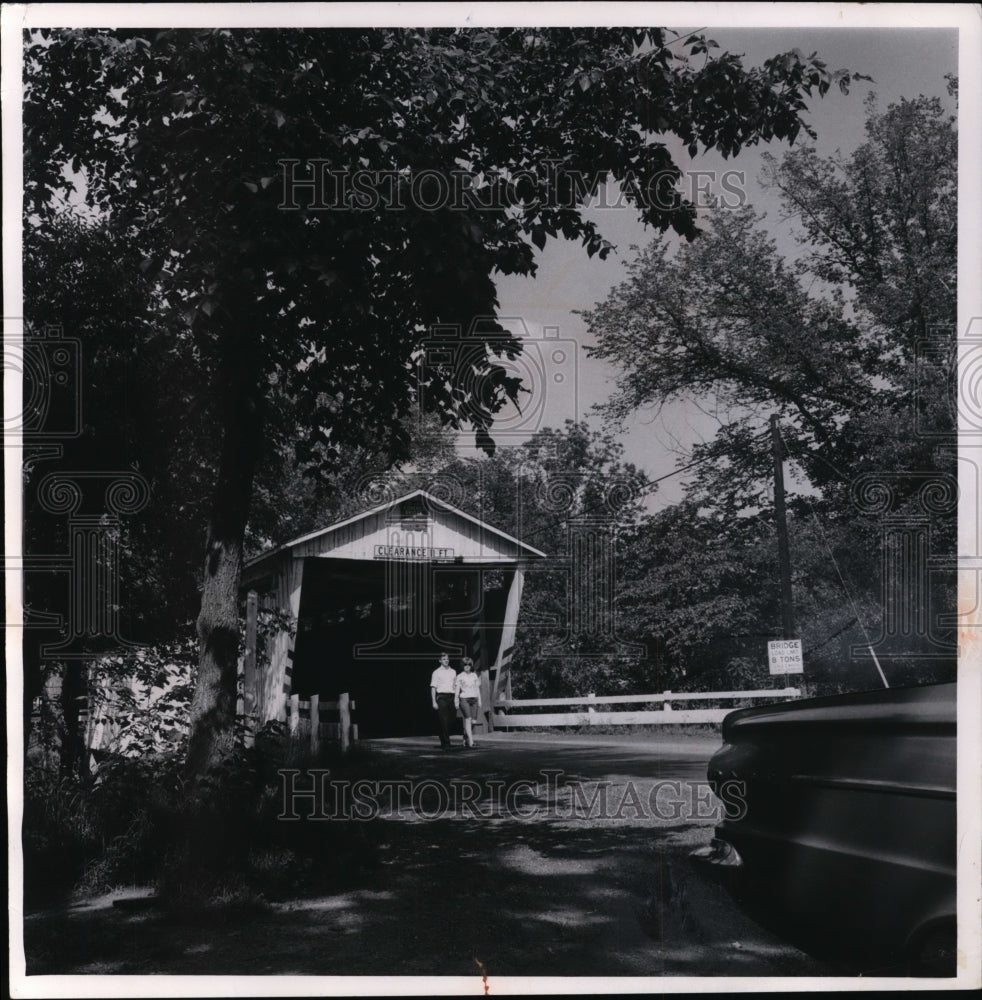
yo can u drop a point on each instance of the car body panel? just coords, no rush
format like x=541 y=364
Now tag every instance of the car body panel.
x=846 y=829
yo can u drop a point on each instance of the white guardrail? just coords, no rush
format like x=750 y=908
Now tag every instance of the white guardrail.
x=590 y=716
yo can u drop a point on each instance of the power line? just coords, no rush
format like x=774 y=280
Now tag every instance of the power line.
x=838 y=571
x=829 y=638
x=647 y=485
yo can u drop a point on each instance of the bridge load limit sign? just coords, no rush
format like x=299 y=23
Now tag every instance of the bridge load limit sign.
x=784 y=656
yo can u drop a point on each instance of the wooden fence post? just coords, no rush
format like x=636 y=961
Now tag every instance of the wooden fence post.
x=294 y=713
x=344 y=711
x=315 y=723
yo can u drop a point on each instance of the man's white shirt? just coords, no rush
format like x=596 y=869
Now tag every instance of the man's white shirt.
x=444 y=680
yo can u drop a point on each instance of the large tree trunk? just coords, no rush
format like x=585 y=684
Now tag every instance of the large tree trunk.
x=213 y=706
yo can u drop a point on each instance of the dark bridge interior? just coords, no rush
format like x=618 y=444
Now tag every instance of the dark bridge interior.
x=376 y=630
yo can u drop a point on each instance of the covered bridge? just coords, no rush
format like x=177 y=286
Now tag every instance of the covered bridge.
x=377 y=598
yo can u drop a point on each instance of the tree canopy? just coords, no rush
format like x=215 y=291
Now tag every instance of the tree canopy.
x=852 y=345
x=855 y=361
x=310 y=322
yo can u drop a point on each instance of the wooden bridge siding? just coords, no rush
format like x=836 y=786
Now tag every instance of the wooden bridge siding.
x=358 y=540
x=471 y=542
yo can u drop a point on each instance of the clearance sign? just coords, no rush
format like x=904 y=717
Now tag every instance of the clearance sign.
x=417 y=552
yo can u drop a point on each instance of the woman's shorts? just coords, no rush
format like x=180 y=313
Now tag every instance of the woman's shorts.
x=468 y=708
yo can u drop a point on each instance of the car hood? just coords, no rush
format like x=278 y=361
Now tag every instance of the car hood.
x=897 y=709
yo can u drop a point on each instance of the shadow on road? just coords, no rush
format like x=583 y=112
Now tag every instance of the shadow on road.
x=540 y=890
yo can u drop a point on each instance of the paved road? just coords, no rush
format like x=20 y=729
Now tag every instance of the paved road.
x=526 y=856
x=587 y=874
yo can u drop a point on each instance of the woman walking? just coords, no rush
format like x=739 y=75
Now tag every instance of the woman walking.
x=467 y=698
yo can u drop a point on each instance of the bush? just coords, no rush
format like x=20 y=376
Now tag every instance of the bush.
x=130 y=821
x=60 y=835
x=85 y=836
x=137 y=822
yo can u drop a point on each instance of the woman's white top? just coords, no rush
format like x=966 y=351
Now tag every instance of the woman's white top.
x=468 y=685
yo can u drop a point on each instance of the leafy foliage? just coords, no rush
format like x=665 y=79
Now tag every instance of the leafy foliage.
x=852 y=347
x=140 y=697
x=306 y=324
x=884 y=219
x=174 y=134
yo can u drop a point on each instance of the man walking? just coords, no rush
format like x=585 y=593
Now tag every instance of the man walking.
x=442 y=685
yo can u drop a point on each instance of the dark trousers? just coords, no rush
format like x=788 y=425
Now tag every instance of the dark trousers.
x=446 y=713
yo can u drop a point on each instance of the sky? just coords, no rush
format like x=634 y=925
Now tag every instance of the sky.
x=902 y=63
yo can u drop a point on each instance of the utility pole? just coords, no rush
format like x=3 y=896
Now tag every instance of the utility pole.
x=780 y=519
